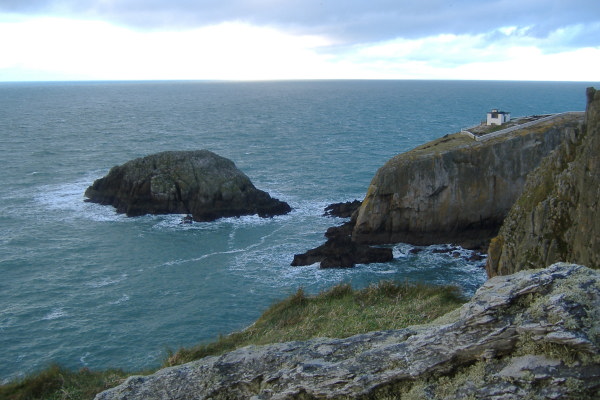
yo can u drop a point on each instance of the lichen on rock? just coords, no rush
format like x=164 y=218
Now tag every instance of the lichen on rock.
x=199 y=183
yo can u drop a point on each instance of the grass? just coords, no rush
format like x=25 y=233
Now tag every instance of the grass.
x=56 y=383
x=339 y=312
x=441 y=145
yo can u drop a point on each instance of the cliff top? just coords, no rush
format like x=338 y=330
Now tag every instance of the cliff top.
x=457 y=140
x=446 y=143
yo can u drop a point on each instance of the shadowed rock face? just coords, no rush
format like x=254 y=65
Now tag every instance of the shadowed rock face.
x=199 y=183
x=443 y=192
x=533 y=334
x=557 y=216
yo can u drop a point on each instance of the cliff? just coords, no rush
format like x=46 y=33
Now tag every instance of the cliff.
x=455 y=189
x=556 y=218
x=199 y=183
x=529 y=335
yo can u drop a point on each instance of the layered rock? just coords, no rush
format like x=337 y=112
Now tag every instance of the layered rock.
x=199 y=183
x=529 y=335
x=557 y=217
x=455 y=189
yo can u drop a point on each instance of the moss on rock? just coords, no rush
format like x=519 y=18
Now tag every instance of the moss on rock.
x=556 y=217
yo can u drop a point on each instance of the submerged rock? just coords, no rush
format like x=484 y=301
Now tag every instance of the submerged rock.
x=199 y=183
x=529 y=335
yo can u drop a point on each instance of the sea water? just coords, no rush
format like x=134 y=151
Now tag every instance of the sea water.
x=85 y=287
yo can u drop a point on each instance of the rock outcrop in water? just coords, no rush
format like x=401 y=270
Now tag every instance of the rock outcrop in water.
x=558 y=216
x=199 y=183
x=455 y=189
x=342 y=210
x=534 y=334
x=340 y=251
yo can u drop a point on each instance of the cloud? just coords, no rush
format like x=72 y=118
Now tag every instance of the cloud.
x=348 y=21
x=58 y=48
x=508 y=53
x=293 y=39
x=98 y=50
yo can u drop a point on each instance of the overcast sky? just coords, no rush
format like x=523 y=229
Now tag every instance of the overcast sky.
x=300 y=39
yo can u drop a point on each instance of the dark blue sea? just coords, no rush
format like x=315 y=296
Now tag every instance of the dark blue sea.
x=84 y=287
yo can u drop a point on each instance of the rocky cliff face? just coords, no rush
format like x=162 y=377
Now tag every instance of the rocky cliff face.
x=556 y=218
x=454 y=190
x=534 y=335
x=199 y=183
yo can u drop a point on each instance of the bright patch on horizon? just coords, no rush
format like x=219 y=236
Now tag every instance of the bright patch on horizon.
x=66 y=49
x=98 y=50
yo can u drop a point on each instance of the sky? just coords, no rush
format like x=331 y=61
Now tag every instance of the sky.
x=549 y=40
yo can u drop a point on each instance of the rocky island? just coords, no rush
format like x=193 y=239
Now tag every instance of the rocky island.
x=198 y=183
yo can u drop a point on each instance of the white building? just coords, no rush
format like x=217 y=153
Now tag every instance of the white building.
x=496 y=117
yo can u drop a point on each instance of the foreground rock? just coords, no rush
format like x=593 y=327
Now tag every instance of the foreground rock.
x=455 y=190
x=557 y=217
x=340 y=251
x=199 y=183
x=529 y=335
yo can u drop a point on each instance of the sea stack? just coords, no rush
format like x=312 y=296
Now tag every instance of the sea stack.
x=198 y=183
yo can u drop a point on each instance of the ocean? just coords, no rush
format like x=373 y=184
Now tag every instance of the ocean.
x=85 y=287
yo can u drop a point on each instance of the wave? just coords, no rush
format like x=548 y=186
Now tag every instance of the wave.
x=122 y=299
x=106 y=281
x=55 y=314
x=69 y=197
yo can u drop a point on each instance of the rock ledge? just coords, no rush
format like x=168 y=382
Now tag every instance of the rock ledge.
x=533 y=334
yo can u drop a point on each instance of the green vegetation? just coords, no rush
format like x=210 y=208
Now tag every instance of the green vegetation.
x=56 y=383
x=339 y=312
x=441 y=145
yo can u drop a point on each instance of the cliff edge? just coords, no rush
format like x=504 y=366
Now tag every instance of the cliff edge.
x=533 y=334
x=455 y=189
x=556 y=218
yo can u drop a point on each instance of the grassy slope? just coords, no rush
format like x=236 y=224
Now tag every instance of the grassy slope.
x=339 y=312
